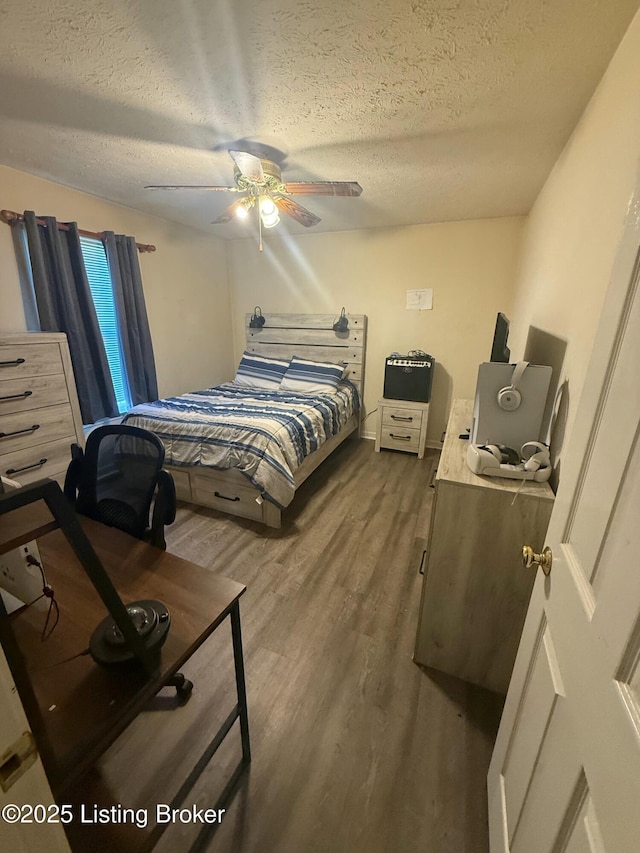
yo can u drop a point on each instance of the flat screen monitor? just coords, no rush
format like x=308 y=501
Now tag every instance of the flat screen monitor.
x=499 y=349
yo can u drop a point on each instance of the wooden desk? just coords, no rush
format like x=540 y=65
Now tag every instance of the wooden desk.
x=80 y=707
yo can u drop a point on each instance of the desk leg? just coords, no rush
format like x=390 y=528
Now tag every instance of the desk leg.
x=240 y=683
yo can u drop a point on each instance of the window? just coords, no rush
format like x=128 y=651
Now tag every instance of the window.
x=95 y=261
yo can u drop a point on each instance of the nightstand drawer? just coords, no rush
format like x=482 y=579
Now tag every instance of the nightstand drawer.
x=396 y=416
x=400 y=438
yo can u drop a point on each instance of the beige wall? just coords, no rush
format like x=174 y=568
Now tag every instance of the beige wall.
x=575 y=226
x=471 y=267
x=185 y=280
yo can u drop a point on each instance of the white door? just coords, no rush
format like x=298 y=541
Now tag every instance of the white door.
x=30 y=789
x=565 y=773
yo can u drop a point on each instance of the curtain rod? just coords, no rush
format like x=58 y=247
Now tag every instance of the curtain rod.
x=11 y=217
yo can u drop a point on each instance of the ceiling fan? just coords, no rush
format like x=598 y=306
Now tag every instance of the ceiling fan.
x=260 y=182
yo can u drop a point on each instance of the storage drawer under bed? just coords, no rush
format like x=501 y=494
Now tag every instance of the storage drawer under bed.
x=230 y=492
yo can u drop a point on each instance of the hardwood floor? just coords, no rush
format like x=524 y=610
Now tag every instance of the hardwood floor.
x=355 y=747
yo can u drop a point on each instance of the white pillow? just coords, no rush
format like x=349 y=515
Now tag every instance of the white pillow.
x=259 y=371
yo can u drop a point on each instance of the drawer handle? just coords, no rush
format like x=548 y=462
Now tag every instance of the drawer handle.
x=422 y=561
x=402 y=417
x=15 y=361
x=11 y=471
x=20 y=431
x=17 y=396
x=400 y=437
x=224 y=497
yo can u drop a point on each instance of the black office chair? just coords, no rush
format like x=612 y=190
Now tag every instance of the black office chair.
x=116 y=478
x=114 y=481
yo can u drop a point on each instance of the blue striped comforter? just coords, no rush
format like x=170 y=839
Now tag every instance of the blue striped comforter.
x=265 y=434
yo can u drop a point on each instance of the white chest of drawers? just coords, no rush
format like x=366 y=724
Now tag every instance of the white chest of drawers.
x=402 y=425
x=39 y=411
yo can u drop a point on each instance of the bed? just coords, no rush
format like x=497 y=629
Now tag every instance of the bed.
x=245 y=451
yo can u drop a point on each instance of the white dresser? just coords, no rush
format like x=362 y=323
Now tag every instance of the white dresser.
x=39 y=411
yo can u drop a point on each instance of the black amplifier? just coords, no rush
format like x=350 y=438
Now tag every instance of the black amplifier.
x=408 y=377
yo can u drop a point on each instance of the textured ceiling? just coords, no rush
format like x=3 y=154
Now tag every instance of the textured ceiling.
x=441 y=109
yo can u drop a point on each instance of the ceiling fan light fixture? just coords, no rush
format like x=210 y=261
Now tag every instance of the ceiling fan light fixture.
x=268 y=212
x=243 y=207
x=267 y=206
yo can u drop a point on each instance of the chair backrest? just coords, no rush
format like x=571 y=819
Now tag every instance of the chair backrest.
x=115 y=479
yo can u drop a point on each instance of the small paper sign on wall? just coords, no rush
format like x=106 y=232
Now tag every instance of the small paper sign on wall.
x=419 y=300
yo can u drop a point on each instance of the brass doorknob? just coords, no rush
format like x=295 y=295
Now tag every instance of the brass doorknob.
x=530 y=558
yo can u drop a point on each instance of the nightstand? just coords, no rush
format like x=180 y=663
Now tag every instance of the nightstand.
x=402 y=425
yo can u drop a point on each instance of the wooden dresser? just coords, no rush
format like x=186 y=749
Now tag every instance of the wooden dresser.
x=475 y=591
x=39 y=412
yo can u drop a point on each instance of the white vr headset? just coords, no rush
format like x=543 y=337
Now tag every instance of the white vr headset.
x=533 y=462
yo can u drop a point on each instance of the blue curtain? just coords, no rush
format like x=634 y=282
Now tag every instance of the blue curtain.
x=65 y=304
x=122 y=257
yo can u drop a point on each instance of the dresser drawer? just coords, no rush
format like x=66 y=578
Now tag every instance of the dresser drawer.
x=400 y=438
x=34 y=463
x=393 y=416
x=31 y=392
x=21 y=360
x=22 y=430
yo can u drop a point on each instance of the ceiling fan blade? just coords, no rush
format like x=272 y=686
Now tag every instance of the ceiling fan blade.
x=295 y=210
x=190 y=187
x=249 y=165
x=343 y=188
x=228 y=214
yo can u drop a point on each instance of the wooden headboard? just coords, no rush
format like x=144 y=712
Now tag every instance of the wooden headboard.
x=312 y=336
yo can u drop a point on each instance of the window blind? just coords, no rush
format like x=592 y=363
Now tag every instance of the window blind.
x=95 y=261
